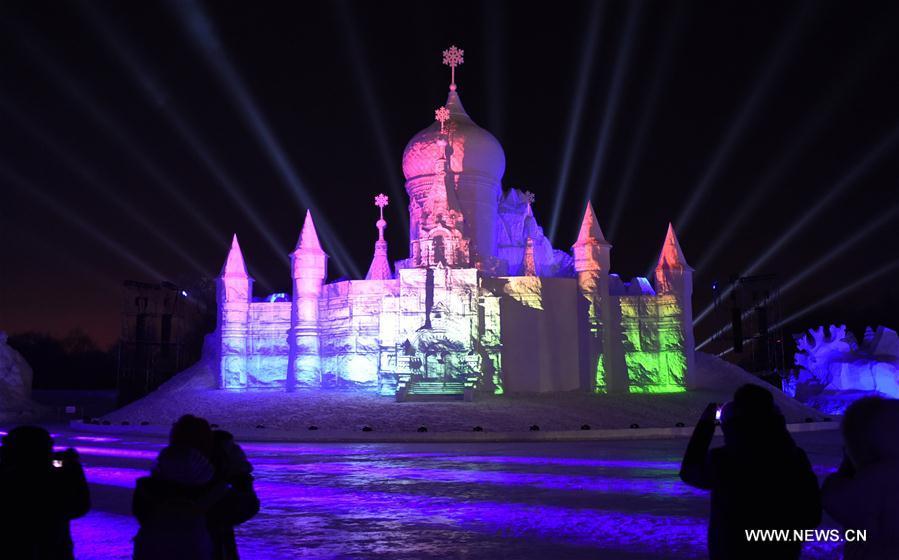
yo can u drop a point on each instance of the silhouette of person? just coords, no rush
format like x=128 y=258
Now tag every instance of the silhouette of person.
x=40 y=492
x=759 y=479
x=199 y=488
x=239 y=504
x=863 y=494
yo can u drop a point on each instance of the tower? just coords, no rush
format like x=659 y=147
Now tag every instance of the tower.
x=592 y=261
x=473 y=169
x=441 y=224
x=309 y=268
x=674 y=278
x=235 y=290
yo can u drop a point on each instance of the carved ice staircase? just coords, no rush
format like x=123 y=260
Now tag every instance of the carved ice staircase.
x=435 y=390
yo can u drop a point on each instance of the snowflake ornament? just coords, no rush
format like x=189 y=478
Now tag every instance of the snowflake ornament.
x=452 y=56
x=442 y=114
x=381 y=200
x=529 y=197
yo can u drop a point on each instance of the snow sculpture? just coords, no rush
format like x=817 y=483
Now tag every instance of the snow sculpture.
x=834 y=368
x=15 y=378
x=483 y=303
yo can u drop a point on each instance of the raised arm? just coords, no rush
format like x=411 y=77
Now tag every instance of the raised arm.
x=696 y=467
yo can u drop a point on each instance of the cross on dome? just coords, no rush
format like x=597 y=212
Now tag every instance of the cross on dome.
x=452 y=57
x=442 y=115
x=529 y=197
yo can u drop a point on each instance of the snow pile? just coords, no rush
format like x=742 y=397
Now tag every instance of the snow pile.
x=15 y=384
x=192 y=391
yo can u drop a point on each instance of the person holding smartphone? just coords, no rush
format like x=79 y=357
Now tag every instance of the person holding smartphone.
x=40 y=493
x=759 y=479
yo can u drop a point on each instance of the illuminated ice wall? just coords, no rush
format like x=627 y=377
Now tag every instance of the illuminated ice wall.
x=483 y=304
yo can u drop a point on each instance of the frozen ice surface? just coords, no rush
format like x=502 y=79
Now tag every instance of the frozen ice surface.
x=609 y=500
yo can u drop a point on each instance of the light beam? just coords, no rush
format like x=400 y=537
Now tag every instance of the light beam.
x=832 y=254
x=663 y=66
x=577 y=108
x=844 y=183
x=89 y=178
x=18 y=181
x=607 y=127
x=121 y=138
x=157 y=96
x=870 y=277
x=808 y=130
x=356 y=54
x=199 y=29
x=744 y=118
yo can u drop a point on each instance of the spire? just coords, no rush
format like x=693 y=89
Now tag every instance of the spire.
x=234 y=265
x=380 y=265
x=529 y=198
x=453 y=57
x=529 y=264
x=590 y=232
x=672 y=256
x=308 y=237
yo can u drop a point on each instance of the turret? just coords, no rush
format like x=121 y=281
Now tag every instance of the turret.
x=674 y=277
x=309 y=268
x=235 y=291
x=592 y=262
x=591 y=250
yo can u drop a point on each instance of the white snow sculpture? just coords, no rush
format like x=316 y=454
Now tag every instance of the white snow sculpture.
x=836 y=363
x=15 y=377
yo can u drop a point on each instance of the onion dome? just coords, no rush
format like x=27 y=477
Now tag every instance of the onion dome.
x=472 y=149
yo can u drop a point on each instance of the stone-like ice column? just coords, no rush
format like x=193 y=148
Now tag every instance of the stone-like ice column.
x=309 y=267
x=235 y=290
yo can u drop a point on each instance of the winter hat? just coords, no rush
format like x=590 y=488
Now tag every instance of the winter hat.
x=183 y=465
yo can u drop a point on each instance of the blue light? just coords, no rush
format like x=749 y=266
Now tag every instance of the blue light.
x=183 y=293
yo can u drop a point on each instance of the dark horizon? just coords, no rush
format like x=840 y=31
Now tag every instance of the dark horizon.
x=755 y=120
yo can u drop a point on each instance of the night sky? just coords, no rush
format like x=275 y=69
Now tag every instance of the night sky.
x=125 y=126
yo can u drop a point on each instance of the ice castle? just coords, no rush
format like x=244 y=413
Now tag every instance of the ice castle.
x=483 y=303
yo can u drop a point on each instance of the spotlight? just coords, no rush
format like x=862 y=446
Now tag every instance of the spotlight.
x=183 y=293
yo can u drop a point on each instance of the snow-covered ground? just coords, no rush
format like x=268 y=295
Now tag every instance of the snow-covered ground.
x=193 y=391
